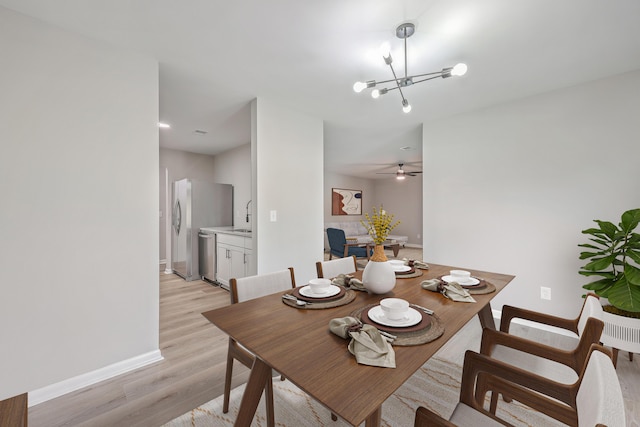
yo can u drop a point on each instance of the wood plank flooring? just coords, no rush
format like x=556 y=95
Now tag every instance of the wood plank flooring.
x=192 y=371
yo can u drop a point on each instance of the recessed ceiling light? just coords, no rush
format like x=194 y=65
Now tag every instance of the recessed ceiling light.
x=163 y=125
x=407 y=148
x=200 y=132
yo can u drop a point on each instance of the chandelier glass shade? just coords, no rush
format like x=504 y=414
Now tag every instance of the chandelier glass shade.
x=404 y=31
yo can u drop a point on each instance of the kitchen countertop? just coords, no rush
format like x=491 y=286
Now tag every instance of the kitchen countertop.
x=238 y=231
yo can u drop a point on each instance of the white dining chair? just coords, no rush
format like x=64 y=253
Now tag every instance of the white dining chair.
x=595 y=399
x=330 y=269
x=244 y=289
x=559 y=364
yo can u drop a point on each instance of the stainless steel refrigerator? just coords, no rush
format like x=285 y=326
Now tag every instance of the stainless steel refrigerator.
x=196 y=204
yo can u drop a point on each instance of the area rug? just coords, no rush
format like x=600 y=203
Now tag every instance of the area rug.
x=436 y=386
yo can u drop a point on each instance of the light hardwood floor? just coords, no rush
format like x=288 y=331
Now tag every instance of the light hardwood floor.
x=192 y=371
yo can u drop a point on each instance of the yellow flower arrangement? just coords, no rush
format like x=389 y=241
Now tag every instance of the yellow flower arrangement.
x=379 y=225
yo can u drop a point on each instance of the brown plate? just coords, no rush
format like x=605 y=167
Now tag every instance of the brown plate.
x=423 y=324
x=297 y=294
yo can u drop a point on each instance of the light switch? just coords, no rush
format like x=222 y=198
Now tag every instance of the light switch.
x=274 y=216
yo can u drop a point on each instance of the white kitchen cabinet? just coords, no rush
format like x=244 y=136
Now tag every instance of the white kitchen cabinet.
x=233 y=257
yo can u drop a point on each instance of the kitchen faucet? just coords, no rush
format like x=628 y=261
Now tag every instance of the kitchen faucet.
x=248 y=214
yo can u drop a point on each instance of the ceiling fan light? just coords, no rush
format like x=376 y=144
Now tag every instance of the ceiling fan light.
x=400 y=175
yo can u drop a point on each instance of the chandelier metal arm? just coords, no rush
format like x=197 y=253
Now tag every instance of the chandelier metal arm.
x=424 y=80
x=397 y=82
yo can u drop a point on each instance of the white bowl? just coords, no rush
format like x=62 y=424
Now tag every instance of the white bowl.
x=396 y=262
x=460 y=275
x=319 y=286
x=394 y=308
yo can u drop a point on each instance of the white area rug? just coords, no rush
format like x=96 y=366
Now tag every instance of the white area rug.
x=436 y=386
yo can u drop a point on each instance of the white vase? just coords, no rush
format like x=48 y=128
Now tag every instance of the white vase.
x=378 y=277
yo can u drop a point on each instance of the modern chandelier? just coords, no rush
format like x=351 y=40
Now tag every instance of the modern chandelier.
x=404 y=31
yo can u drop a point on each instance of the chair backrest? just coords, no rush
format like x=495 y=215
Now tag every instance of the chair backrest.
x=332 y=268
x=337 y=239
x=246 y=288
x=599 y=399
x=590 y=308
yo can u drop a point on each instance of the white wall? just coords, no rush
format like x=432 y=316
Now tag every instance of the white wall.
x=79 y=218
x=234 y=167
x=528 y=177
x=287 y=155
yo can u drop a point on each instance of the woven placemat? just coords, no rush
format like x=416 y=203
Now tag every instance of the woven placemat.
x=483 y=288
x=416 y=273
x=349 y=296
x=431 y=333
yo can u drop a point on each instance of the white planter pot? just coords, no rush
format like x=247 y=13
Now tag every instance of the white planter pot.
x=378 y=277
x=621 y=332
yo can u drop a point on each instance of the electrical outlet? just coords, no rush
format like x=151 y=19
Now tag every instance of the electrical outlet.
x=274 y=216
x=545 y=293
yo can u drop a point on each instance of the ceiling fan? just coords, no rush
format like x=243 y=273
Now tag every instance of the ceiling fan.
x=400 y=173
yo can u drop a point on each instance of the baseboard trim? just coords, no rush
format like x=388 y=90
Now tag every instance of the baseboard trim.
x=497 y=314
x=84 y=380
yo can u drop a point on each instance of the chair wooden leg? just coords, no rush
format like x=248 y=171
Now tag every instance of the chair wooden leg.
x=227 y=383
x=614 y=357
x=630 y=357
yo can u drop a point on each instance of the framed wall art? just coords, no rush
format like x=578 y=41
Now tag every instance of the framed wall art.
x=346 y=202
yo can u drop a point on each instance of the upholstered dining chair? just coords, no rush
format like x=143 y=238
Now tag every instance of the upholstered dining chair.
x=244 y=289
x=339 y=247
x=330 y=269
x=559 y=364
x=595 y=399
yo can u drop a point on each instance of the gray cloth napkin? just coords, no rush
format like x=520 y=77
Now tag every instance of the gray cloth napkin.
x=451 y=290
x=367 y=345
x=348 y=282
x=416 y=263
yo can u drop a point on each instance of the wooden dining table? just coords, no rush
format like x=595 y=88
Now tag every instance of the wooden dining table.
x=297 y=343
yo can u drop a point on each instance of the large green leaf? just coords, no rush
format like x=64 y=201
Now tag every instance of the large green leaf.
x=624 y=296
x=608 y=228
x=599 y=285
x=632 y=274
x=606 y=274
x=600 y=263
x=588 y=246
x=584 y=255
x=602 y=243
x=634 y=255
x=630 y=220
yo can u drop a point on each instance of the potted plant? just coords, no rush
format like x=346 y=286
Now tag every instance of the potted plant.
x=613 y=255
x=378 y=276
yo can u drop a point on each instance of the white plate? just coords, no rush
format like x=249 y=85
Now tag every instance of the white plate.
x=306 y=291
x=413 y=318
x=472 y=281
x=401 y=269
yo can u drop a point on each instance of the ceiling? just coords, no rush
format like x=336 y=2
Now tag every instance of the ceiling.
x=216 y=56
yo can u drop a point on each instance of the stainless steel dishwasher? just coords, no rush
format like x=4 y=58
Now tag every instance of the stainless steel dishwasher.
x=207 y=256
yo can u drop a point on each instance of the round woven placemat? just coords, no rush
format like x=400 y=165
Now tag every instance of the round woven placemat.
x=349 y=296
x=416 y=273
x=483 y=288
x=431 y=333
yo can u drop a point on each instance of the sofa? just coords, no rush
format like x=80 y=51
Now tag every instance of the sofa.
x=354 y=230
